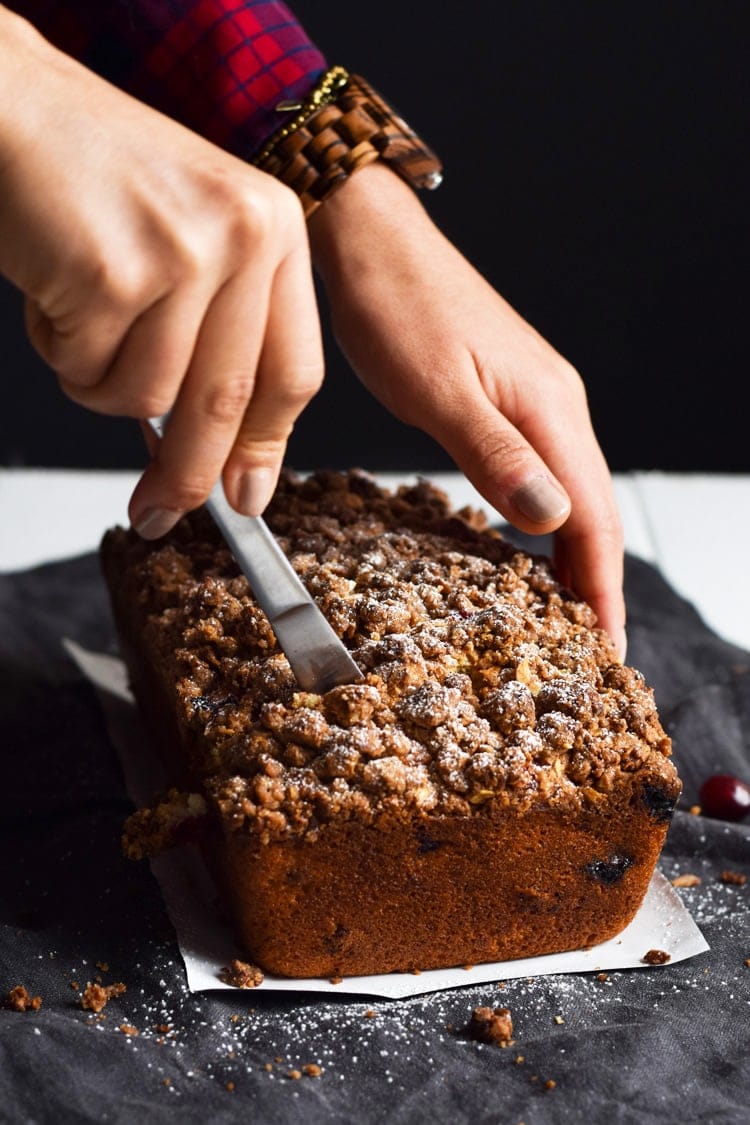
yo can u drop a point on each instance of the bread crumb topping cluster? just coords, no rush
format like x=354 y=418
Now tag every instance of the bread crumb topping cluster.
x=486 y=686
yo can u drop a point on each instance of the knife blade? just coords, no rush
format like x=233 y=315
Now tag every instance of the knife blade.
x=316 y=654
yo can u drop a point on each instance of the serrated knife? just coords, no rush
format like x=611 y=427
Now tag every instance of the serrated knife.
x=315 y=653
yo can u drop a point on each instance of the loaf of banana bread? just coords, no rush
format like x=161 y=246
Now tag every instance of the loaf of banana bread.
x=498 y=785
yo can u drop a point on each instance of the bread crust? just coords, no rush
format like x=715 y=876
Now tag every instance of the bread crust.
x=390 y=897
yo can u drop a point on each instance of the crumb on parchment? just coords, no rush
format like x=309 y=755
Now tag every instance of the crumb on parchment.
x=656 y=957
x=242 y=974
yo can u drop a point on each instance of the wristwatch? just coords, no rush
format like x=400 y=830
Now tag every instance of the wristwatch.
x=342 y=126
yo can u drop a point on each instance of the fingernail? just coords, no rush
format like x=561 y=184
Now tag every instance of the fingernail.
x=540 y=500
x=622 y=645
x=155 y=522
x=256 y=489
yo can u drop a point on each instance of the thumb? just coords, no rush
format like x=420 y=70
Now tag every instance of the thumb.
x=502 y=466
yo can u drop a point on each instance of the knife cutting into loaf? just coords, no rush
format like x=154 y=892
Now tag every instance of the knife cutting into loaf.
x=316 y=655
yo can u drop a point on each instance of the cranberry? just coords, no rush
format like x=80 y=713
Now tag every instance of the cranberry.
x=725 y=797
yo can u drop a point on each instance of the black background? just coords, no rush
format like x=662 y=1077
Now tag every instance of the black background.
x=596 y=172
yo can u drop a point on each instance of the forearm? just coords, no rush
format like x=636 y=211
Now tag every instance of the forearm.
x=32 y=84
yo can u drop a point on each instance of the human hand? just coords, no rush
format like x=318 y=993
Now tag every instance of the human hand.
x=160 y=274
x=444 y=352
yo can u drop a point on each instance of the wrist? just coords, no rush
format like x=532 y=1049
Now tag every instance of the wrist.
x=26 y=58
x=371 y=210
x=19 y=42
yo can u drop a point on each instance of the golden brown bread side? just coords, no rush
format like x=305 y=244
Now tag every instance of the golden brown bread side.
x=499 y=785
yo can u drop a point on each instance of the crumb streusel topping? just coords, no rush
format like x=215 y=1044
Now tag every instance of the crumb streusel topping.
x=486 y=682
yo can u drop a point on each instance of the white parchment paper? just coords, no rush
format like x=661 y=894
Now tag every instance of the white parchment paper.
x=207 y=945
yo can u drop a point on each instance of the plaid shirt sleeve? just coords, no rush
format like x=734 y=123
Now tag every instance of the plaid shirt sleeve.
x=218 y=66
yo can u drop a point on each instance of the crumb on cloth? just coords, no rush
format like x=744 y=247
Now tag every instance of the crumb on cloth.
x=687 y=880
x=21 y=1000
x=95 y=997
x=491 y=1025
x=734 y=877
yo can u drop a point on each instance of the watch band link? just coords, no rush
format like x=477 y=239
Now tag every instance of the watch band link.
x=327 y=143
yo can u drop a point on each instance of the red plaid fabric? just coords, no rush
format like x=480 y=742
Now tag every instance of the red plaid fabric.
x=218 y=66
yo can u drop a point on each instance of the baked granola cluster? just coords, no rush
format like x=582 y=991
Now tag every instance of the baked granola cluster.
x=485 y=680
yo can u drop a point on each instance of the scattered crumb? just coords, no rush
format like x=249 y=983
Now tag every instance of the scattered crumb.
x=279 y=1059
x=467 y=968
x=242 y=974
x=747 y=962
x=21 y=1000
x=550 y=1084
x=687 y=880
x=602 y=977
x=416 y=972
x=695 y=810
x=128 y=1029
x=163 y=1028
x=96 y=996
x=519 y=1059
x=166 y=1081
x=75 y=985
x=491 y=1025
x=312 y=1070
x=268 y=1067
x=336 y=980
x=370 y=1014
x=294 y=1074
x=230 y=1086
x=735 y=877
x=103 y=966
x=559 y=1019
x=656 y=957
